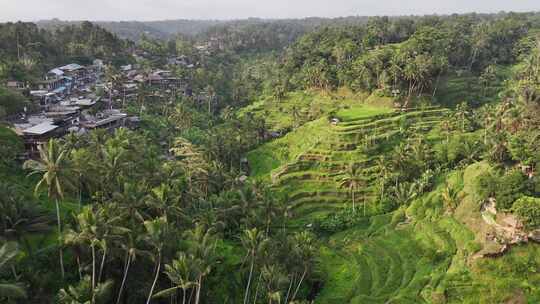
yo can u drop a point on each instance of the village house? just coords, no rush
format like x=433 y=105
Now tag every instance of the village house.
x=38 y=129
x=44 y=98
x=108 y=119
x=16 y=85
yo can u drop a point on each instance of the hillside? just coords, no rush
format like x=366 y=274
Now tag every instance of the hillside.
x=168 y=29
x=417 y=253
x=133 y=30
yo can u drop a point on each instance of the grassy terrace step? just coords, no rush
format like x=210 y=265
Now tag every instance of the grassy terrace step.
x=304 y=175
x=367 y=119
x=395 y=270
x=363 y=284
x=362 y=135
x=380 y=266
x=343 y=195
x=393 y=120
x=313 y=157
x=359 y=136
x=307 y=163
x=361 y=120
x=309 y=209
x=317 y=194
x=434 y=237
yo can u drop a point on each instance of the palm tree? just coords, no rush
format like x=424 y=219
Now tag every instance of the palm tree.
x=202 y=251
x=21 y=217
x=84 y=293
x=446 y=128
x=162 y=199
x=383 y=172
x=404 y=193
x=95 y=228
x=254 y=242
x=156 y=231
x=143 y=91
x=275 y=279
x=278 y=93
x=295 y=116
x=8 y=290
x=181 y=275
x=193 y=162
x=54 y=169
x=113 y=161
x=113 y=78
x=270 y=209
x=450 y=198
x=462 y=112
x=131 y=253
x=304 y=249
x=353 y=180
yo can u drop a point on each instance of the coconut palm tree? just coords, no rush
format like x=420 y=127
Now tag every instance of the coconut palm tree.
x=181 y=274
x=113 y=78
x=202 y=251
x=95 y=227
x=156 y=232
x=269 y=206
x=352 y=180
x=254 y=242
x=54 y=170
x=9 y=290
x=462 y=113
x=275 y=280
x=163 y=201
x=404 y=193
x=21 y=217
x=304 y=249
x=450 y=198
x=84 y=293
x=295 y=116
x=383 y=169
x=131 y=252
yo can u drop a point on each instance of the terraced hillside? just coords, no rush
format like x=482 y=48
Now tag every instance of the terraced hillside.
x=391 y=258
x=389 y=262
x=312 y=178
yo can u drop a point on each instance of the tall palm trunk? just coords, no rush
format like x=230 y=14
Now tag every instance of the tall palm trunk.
x=290 y=287
x=199 y=286
x=93 y=273
x=124 y=278
x=158 y=268
x=246 y=295
x=184 y=291
x=353 y=202
x=299 y=284
x=364 y=202
x=257 y=289
x=103 y=259
x=80 y=192
x=59 y=223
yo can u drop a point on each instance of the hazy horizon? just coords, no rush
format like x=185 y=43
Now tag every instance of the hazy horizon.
x=159 y=10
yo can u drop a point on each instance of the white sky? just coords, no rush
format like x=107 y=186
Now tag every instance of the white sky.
x=33 y=10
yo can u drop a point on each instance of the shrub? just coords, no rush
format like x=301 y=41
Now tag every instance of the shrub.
x=523 y=147
x=10 y=146
x=528 y=210
x=511 y=186
x=341 y=221
x=11 y=102
x=485 y=185
x=506 y=189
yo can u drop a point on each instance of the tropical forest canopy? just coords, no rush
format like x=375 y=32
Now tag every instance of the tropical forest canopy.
x=355 y=160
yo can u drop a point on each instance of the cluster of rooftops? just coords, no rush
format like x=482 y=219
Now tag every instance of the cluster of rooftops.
x=66 y=104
